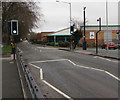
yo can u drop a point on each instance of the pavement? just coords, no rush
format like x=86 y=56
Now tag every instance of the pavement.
x=113 y=54
x=12 y=86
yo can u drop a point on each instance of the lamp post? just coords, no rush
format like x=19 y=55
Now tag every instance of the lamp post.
x=84 y=42
x=70 y=21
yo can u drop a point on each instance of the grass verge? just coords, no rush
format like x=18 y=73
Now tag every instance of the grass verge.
x=6 y=49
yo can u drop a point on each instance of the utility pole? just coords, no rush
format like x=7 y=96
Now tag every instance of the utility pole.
x=84 y=41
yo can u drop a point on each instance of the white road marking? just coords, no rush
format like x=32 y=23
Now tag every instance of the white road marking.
x=35 y=66
x=72 y=62
x=90 y=68
x=11 y=62
x=45 y=48
x=66 y=96
x=106 y=59
x=57 y=90
x=96 y=70
x=49 y=60
x=41 y=74
x=79 y=66
x=112 y=75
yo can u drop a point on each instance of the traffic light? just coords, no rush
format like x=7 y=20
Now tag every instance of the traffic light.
x=72 y=29
x=14 y=27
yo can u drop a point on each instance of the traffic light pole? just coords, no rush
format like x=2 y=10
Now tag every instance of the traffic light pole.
x=13 y=31
x=97 y=35
x=84 y=41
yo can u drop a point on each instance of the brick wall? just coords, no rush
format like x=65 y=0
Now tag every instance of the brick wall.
x=100 y=37
x=42 y=36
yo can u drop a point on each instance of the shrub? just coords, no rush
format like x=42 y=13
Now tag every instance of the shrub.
x=79 y=45
x=94 y=45
x=91 y=45
x=64 y=44
x=50 y=43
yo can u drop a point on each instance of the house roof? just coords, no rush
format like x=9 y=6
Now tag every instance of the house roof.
x=102 y=25
x=62 y=32
x=66 y=31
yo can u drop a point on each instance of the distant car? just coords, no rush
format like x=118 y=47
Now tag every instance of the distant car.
x=109 y=45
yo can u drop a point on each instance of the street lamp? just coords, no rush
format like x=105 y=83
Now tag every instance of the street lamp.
x=84 y=42
x=70 y=8
x=70 y=20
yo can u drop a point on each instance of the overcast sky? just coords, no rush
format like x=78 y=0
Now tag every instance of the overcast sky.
x=56 y=14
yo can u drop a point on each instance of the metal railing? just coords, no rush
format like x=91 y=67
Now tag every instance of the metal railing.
x=35 y=92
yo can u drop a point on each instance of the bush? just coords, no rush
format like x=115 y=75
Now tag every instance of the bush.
x=91 y=45
x=39 y=42
x=94 y=45
x=50 y=43
x=64 y=44
x=79 y=45
x=33 y=40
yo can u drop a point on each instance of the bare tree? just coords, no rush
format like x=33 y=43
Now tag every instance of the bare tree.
x=25 y=12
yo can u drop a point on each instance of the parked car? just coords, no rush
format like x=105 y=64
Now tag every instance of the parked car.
x=118 y=45
x=109 y=45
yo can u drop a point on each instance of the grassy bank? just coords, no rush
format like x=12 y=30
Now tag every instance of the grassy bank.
x=6 y=49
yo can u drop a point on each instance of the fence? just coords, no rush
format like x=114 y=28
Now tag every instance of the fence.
x=35 y=92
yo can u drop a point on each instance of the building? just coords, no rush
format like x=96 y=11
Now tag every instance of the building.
x=42 y=36
x=61 y=35
x=104 y=35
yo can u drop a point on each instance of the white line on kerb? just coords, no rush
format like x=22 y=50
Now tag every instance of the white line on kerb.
x=66 y=96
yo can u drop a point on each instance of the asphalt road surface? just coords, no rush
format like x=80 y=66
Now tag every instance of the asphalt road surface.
x=75 y=75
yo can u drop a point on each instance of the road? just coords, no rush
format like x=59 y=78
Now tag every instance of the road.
x=75 y=75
